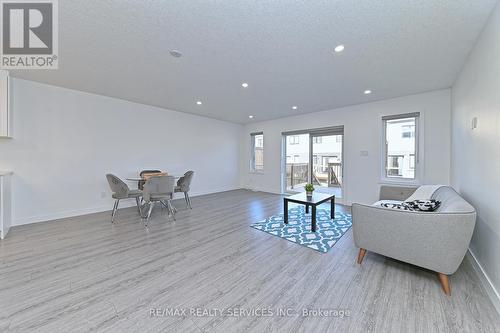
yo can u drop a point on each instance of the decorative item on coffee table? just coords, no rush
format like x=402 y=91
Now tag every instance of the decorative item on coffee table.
x=309 y=189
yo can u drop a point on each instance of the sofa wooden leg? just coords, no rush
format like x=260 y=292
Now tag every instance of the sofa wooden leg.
x=445 y=283
x=361 y=255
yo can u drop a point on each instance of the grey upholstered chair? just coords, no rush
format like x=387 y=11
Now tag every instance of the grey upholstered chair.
x=140 y=184
x=436 y=240
x=184 y=186
x=122 y=191
x=159 y=189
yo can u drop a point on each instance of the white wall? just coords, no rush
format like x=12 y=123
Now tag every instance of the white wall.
x=476 y=153
x=362 y=132
x=65 y=141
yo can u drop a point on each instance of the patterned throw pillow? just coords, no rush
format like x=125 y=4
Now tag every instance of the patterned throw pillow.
x=425 y=205
x=401 y=206
x=416 y=205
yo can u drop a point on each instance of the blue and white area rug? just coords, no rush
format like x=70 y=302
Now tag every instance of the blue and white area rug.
x=298 y=229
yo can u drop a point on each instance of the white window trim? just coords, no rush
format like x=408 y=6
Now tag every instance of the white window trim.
x=419 y=152
x=252 y=169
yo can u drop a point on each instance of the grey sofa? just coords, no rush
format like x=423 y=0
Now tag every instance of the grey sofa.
x=434 y=240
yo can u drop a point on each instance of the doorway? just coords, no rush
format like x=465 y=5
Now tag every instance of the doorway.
x=313 y=156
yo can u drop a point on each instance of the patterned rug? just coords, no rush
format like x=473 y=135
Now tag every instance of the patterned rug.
x=298 y=230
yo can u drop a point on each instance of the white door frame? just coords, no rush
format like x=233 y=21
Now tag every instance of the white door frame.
x=312 y=133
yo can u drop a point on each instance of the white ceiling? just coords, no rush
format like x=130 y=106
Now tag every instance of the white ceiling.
x=283 y=49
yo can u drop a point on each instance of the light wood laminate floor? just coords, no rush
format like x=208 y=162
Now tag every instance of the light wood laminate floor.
x=84 y=274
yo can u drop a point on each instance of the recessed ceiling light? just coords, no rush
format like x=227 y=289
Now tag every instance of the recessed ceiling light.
x=294 y=107
x=244 y=85
x=251 y=117
x=175 y=53
x=199 y=103
x=339 y=48
x=368 y=92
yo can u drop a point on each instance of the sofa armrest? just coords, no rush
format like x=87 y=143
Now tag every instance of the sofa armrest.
x=436 y=241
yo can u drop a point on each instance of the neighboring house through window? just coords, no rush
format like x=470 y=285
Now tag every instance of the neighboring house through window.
x=294 y=139
x=257 y=146
x=400 y=152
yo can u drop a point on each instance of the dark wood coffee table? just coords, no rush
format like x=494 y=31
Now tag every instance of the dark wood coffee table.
x=313 y=201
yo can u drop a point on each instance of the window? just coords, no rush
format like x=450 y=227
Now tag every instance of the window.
x=317 y=139
x=257 y=159
x=401 y=146
x=294 y=140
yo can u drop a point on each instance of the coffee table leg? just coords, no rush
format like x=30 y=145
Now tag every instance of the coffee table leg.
x=285 y=213
x=313 y=219
x=332 y=208
x=307 y=209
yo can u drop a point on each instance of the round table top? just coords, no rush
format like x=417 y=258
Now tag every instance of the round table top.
x=138 y=179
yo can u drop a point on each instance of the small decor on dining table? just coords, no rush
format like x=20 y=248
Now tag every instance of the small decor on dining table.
x=147 y=175
x=309 y=189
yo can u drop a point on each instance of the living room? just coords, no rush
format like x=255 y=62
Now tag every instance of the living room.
x=249 y=166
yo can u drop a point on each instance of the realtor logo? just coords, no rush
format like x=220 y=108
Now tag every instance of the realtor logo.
x=29 y=33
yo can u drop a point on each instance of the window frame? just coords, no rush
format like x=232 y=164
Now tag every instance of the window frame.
x=418 y=150
x=252 y=152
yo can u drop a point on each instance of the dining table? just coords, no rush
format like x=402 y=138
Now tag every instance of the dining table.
x=139 y=179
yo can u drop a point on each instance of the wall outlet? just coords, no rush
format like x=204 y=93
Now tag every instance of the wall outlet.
x=363 y=153
x=473 y=123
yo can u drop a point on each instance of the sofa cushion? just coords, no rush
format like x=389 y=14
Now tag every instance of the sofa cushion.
x=379 y=203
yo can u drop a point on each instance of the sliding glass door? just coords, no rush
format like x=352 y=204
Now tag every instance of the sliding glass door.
x=326 y=163
x=313 y=156
x=297 y=161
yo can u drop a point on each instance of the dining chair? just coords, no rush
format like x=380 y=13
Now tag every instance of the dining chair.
x=159 y=189
x=140 y=184
x=184 y=186
x=122 y=191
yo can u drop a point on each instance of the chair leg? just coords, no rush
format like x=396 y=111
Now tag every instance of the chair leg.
x=151 y=205
x=138 y=202
x=445 y=283
x=171 y=209
x=115 y=208
x=171 y=200
x=361 y=255
x=188 y=200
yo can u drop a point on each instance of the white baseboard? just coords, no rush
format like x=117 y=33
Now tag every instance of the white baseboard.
x=265 y=190
x=101 y=208
x=64 y=214
x=485 y=280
